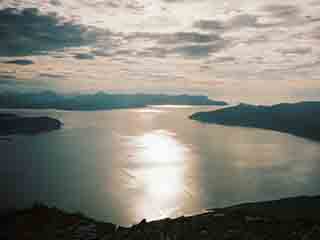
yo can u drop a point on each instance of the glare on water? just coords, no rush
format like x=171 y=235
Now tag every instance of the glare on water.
x=159 y=172
x=160 y=146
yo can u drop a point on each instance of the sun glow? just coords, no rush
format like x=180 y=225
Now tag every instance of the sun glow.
x=159 y=173
x=160 y=147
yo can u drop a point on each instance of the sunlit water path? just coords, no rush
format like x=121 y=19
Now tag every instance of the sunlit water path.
x=125 y=165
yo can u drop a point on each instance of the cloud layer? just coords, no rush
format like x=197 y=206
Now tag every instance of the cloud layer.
x=27 y=32
x=162 y=45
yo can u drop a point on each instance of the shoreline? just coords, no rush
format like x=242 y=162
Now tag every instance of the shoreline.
x=297 y=119
x=287 y=218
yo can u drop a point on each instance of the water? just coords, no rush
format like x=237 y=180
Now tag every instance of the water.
x=125 y=165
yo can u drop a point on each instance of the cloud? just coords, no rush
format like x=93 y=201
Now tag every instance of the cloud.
x=312 y=64
x=225 y=59
x=154 y=52
x=193 y=50
x=84 y=56
x=20 y=62
x=212 y=25
x=315 y=3
x=174 y=1
x=236 y=22
x=135 y=5
x=198 y=51
x=50 y=75
x=315 y=33
x=174 y=38
x=193 y=44
x=27 y=32
x=296 y=51
x=190 y=44
x=247 y=20
x=55 y=2
x=267 y=17
x=282 y=10
x=192 y=37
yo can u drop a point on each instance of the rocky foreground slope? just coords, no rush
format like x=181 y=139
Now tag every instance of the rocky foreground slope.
x=294 y=218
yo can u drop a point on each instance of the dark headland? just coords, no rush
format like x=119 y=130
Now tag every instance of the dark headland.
x=293 y=218
x=15 y=124
x=300 y=119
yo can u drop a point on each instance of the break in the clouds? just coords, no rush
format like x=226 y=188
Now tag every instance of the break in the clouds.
x=234 y=50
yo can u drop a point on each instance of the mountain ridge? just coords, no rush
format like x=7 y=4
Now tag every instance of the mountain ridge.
x=98 y=101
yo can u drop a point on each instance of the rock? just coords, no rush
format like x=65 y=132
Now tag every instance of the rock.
x=313 y=234
x=204 y=233
x=143 y=221
x=254 y=219
x=218 y=214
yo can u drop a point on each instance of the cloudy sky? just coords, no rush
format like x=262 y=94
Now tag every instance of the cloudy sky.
x=235 y=50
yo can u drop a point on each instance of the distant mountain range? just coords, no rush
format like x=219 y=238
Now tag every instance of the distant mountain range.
x=300 y=119
x=98 y=101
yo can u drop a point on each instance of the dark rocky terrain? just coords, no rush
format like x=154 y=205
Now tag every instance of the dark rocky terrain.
x=14 y=124
x=301 y=119
x=293 y=218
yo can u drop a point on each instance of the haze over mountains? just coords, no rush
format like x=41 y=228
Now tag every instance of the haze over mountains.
x=98 y=101
x=300 y=119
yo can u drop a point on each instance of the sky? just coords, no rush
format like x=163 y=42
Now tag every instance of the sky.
x=234 y=50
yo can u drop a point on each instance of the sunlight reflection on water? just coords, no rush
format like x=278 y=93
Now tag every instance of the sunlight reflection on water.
x=159 y=172
x=160 y=146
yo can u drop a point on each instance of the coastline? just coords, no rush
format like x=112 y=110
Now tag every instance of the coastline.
x=298 y=119
x=289 y=218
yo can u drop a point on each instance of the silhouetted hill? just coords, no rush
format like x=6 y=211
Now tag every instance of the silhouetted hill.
x=300 y=119
x=98 y=101
x=292 y=218
x=14 y=124
x=300 y=207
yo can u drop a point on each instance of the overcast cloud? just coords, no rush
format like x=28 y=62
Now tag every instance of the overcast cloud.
x=248 y=50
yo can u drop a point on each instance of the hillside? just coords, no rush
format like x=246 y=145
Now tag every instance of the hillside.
x=301 y=119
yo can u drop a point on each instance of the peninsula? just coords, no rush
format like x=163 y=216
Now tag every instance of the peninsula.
x=300 y=119
x=15 y=124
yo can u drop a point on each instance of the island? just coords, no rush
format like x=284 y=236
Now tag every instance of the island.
x=98 y=101
x=300 y=119
x=15 y=124
x=293 y=218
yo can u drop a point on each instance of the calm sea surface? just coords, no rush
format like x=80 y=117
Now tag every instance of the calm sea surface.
x=125 y=165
